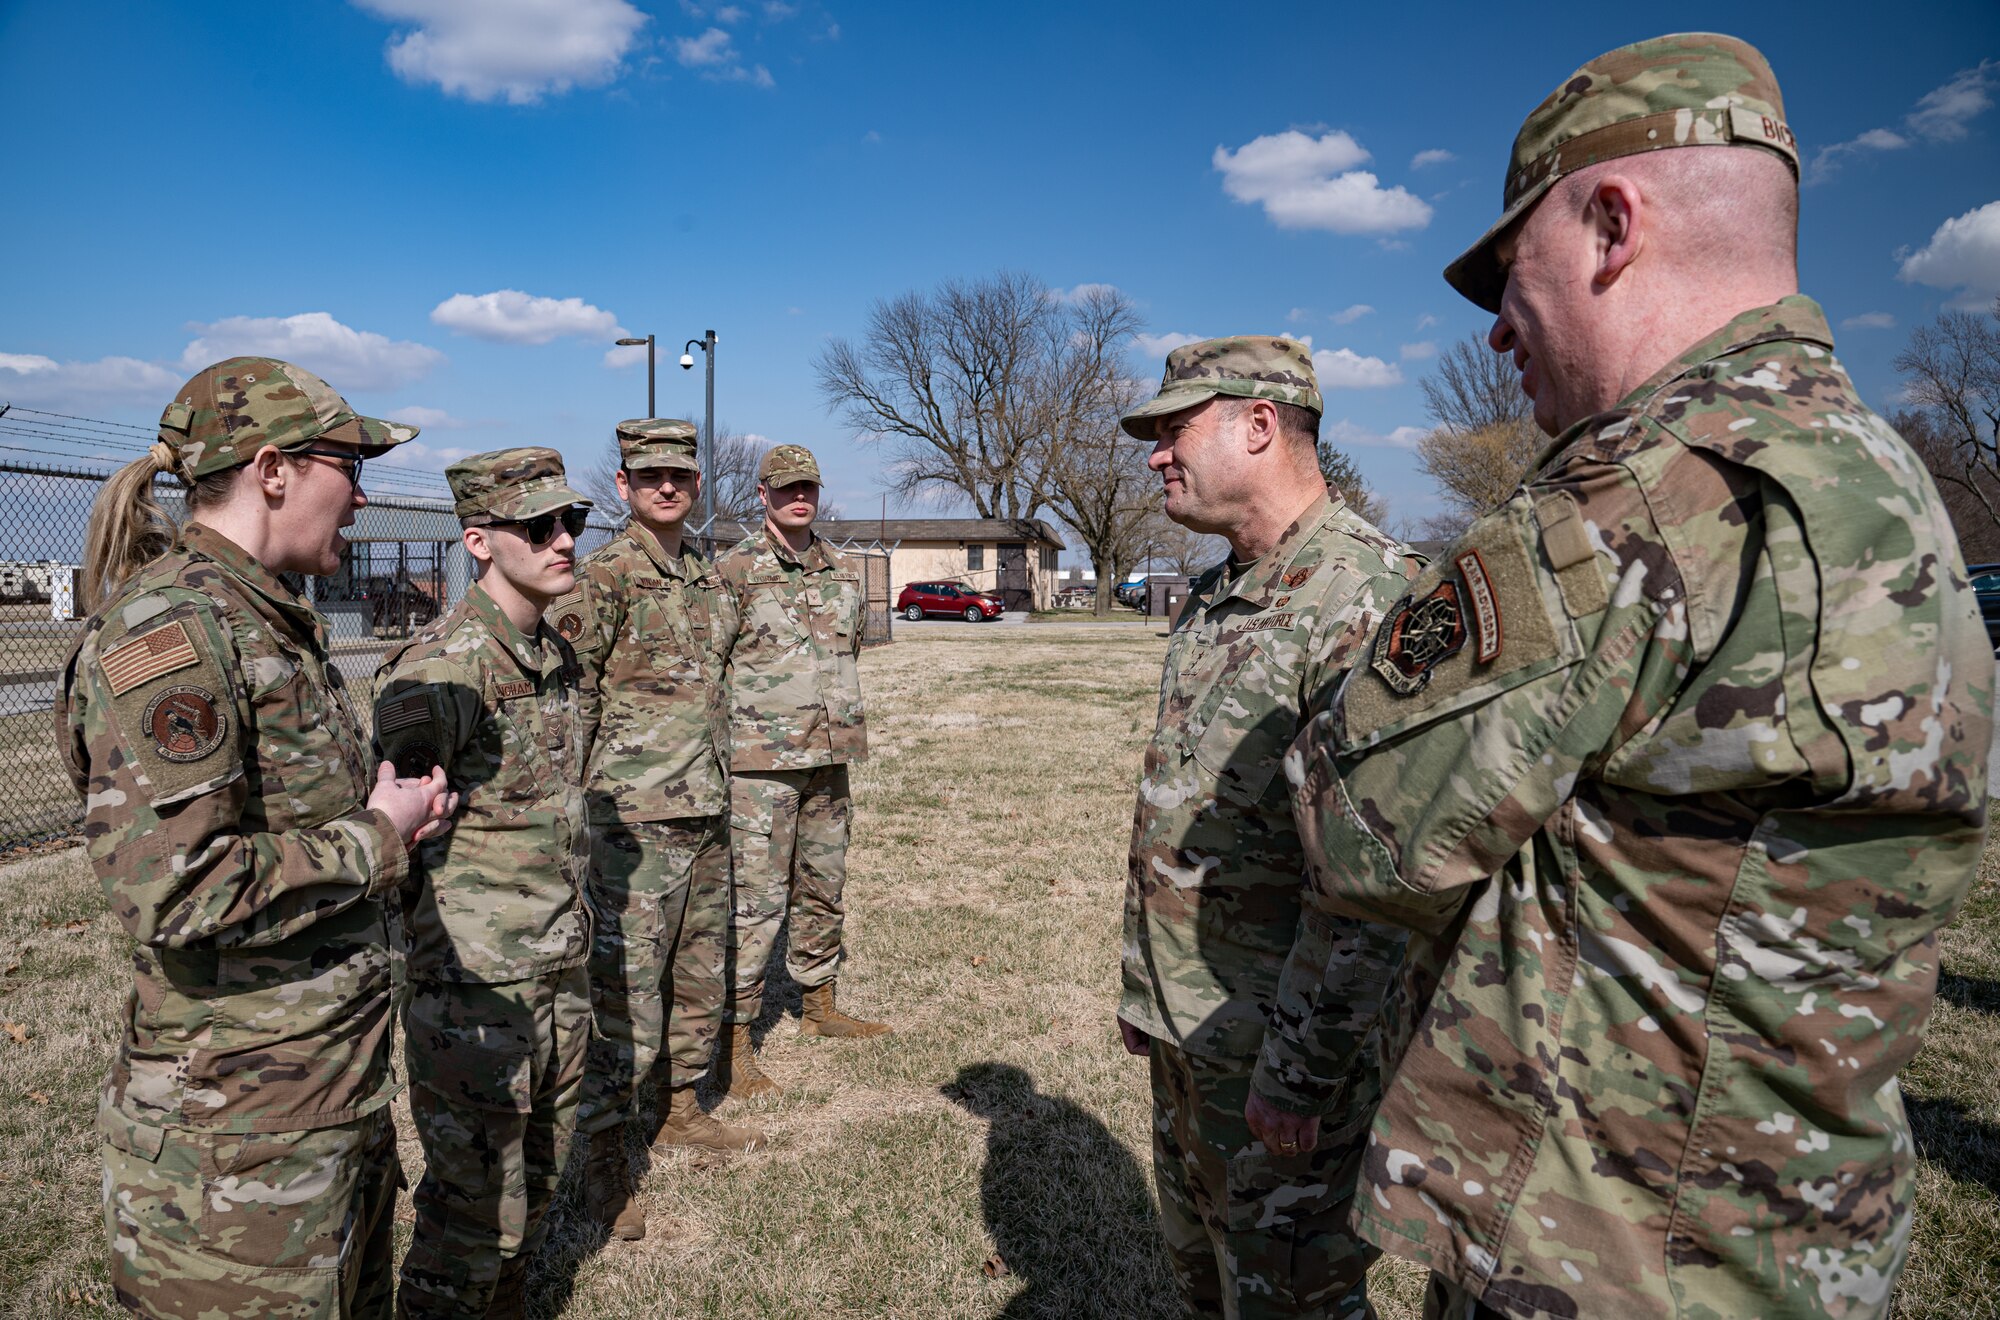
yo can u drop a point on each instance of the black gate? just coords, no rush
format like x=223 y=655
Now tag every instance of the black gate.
x=1016 y=590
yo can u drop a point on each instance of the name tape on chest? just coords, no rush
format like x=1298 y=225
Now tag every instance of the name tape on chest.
x=516 y=687
x=1267 y=622
x=148 y=656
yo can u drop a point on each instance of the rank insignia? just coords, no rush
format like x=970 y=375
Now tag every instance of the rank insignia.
x=1418 y=636
x=184 y=723
x=1296 y=577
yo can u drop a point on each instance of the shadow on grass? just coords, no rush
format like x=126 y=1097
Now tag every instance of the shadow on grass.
x=1966 y=1148
x=1069 y=1209
x=1978 y=993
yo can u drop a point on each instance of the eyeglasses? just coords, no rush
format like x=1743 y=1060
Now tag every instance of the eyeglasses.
x=350 y=462
x=541 y=529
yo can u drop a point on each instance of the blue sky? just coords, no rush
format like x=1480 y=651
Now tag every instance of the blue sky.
x=450 y=207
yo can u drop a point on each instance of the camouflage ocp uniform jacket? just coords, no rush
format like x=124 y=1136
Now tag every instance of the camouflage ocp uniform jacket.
x=500 y=895
x=1711 y=696
x=1216 y=870
x=794 y=684
x=225 y=780
x=652 y=629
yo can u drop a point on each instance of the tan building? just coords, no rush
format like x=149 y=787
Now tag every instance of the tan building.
x=1015 y=560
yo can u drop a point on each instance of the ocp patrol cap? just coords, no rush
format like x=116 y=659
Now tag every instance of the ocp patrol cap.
x=657 y=442
x=1239 y=367
x=227 y=412
x=510 y=485
x=1689 y=89
x=782 y=465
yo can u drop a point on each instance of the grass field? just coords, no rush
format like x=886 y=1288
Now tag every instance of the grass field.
x=991 y=1158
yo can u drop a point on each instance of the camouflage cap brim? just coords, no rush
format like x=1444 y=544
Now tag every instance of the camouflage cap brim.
x=372 y=436
x=519 y=506
x=641 y=461
x=1167 y=401
x=791 y=476
x=1477 y=273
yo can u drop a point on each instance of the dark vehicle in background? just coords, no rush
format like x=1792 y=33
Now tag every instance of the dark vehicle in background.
x=921 y=598
x=395 y=604
x=1986 y=586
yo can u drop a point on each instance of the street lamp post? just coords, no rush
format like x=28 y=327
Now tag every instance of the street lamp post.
x=707 y=453
x=648 y=342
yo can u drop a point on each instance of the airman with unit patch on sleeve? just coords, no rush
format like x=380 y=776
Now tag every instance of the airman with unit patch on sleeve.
x=246 y=841
x=495 y=923
x=1675 y=763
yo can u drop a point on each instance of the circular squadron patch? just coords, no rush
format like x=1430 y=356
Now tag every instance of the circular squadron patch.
x=184 y=723
x=570 y=625
x=1418 y=636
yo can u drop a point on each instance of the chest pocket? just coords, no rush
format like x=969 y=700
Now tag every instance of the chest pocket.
x=1246 y=717
x=842 y=598
x=521 y=760
x=663 y=627
x=769 y=598
x=309 y=756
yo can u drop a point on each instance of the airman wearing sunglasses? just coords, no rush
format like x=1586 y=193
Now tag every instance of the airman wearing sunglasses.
x=495 y=926
x=648 y=618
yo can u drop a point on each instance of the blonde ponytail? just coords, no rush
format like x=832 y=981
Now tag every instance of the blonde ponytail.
x=128 y=528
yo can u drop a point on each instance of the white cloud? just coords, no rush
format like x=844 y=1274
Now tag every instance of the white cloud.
x=871 y=137
x=1082 y=291
x=30 y=379
x=1304 y=182
x=776 y=11
x=511 y=50
x=509 y=316
x=731 y=14
x=1349 y=435
x=1345 y=369
x=1158 y=346
x=1941 y=115
x=714 y=55
x=348 y=359
x=1423 y=348
x=417 y=454
x=1349 y=315
x=631 y=356
x=1426 y=321
x=1434 y=156
x=1963 y=254
x=1869 y=321
x=1298 y=314
x=430 y=419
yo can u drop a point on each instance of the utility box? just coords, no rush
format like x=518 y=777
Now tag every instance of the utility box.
x=1166 y=593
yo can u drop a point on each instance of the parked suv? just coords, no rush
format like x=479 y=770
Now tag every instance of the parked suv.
x=921 y=598
x=1986 y=586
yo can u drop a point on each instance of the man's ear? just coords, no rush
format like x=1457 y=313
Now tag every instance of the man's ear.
x=624 y=485
x=477 y=545
x=1260 y=426
x=763 y=495
x=1618 y=215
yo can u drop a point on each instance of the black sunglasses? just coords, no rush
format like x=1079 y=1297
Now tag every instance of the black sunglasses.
x=350 y=462
x=541 y=529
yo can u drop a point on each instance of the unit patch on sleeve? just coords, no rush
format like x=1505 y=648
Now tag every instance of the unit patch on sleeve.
x=1485 y=606
x=148 y=656
x=566 y=616
x=1417 y=636
x=184 y=723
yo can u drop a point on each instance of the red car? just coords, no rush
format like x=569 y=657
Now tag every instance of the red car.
x=921 y=598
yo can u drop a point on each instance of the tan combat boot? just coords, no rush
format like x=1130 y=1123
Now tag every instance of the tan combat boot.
x=687 y=1125
x=821 y=1018
x=607 y=1187
x=739 y=1065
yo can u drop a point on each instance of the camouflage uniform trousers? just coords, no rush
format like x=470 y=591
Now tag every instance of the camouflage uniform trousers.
x=1252 y=1234
x=496 y=1075
x=659 y=895
x=1445 y=1300
x=289 y=1224
x=788 y=849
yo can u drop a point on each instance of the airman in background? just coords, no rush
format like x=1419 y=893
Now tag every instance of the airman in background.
x=795 y=724
x=246 y=840
x=648 y=619
x=1675 y=762
x=495 y=923
x=1217 y=870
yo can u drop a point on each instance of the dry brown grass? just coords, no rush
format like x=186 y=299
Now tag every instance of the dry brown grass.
x=1002 y=1116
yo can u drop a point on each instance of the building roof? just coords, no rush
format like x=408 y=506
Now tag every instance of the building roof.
x=938 y=529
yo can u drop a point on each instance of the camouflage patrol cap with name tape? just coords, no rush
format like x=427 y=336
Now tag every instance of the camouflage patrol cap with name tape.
x=510 y=485
x=786 y=464
x=1689 y=89
x=657 y=442
x=229 y=411
x=1241 y=366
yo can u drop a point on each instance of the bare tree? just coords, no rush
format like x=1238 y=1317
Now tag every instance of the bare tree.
x=1969 y=497
x=1952 y=369
x=978 y=386
x=1483 y=439
x=1183 y=549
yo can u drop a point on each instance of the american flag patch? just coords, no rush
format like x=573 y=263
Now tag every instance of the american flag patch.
x=147 y=656
x=403 y=713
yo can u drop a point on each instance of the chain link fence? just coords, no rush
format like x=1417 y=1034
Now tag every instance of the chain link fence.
x=405 y=566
